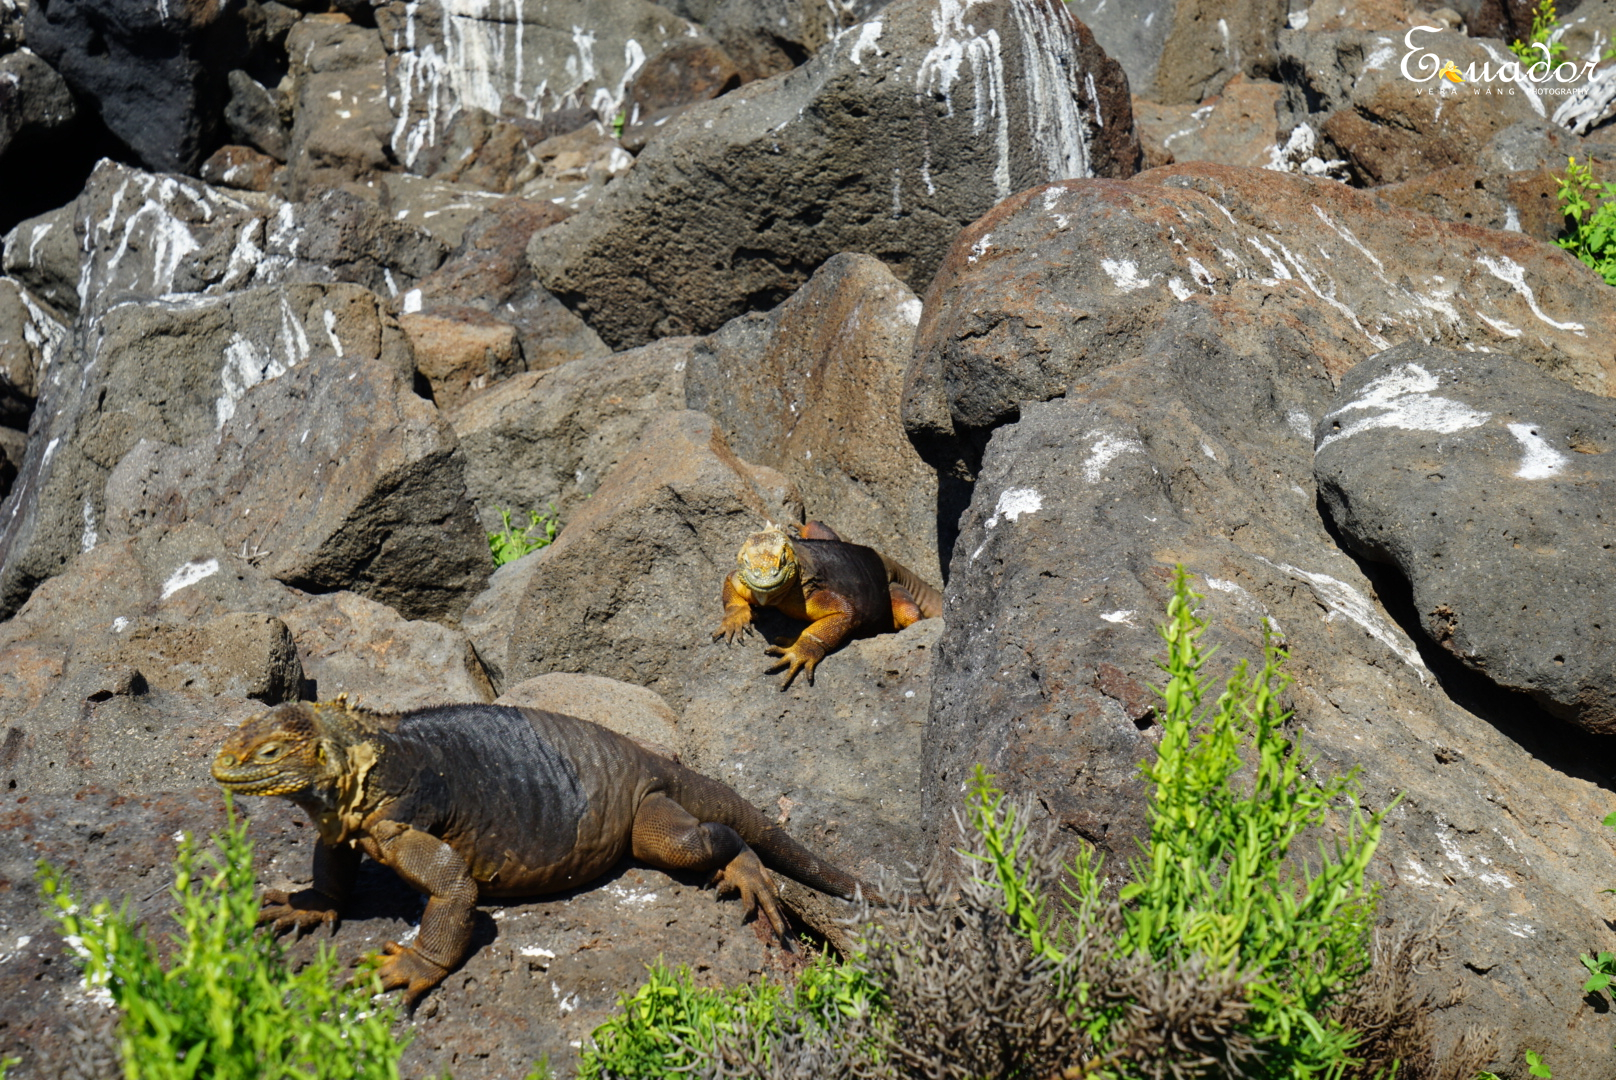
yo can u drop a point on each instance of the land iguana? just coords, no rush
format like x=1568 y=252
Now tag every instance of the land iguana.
x=470 y=801
x=838 y=588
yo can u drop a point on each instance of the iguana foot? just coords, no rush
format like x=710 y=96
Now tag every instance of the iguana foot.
x=734 y=625
x=745 y=874
x=802 y=655
x=303 y=911
x=404 y=967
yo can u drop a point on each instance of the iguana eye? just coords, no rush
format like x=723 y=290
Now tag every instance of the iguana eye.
x=268 y=752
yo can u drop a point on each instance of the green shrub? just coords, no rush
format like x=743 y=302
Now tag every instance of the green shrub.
x=510 y=544
x=670 y=1024
x=1218 y=876
x=223 y=1006
x=1591 y=232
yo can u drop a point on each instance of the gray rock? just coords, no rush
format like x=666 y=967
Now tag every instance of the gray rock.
x=1183 y=51
x=708 y=225
x=490 y=618
x=630 y=585
x=32 y=96
x=31 y=340
x=340 y=236
x=441 y=208
x=809 y=388
x=141 y=67
x=840 y=763
x=550 y=438
x=1486 y=484
x=489 y=273
x=354 y=646
x=1182 y=432
x=334 y=475
x=766 y=37
x=253 y=115
x=126 y=669
x=42 y=253
x=534 y=59
x=341 y=120
x=12 y=16
x=1349 y=86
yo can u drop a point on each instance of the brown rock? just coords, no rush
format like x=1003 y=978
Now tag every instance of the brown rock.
x=364 y=649
x=461 y=352
x=333 y=476
x=1142 y=365
x=342 y=121
x=692 y=70
x=489 y=271
x=240 y=167
x=1179 y=52
x=808 y=389
x=1237 y=127
x=31 y=336
x=629 y=587
x=550 y=438
x=625 y=708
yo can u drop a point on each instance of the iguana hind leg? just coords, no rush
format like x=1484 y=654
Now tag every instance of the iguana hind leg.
x=669 y=837
x=431 y=866
x=905 y=611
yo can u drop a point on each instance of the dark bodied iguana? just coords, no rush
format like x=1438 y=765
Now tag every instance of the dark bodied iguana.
x=469 y=801
x=839 y=588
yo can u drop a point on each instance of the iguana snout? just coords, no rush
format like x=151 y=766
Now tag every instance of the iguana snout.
x=768 y=564
x=278 y=752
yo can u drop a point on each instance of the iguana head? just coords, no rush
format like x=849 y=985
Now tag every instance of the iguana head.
x=299 y=750
x=768 y=564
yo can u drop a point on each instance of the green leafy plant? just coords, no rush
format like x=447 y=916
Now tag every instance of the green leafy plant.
x=1602 y=971
x=669 y=1024
x=1535 y=1066
x=1232 y=796
x=224 y=1003
x=1545 y=21
x=1591 y=230
x=618 y=123
x=511 y=543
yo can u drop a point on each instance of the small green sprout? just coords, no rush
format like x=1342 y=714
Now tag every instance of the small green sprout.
x=510 y=543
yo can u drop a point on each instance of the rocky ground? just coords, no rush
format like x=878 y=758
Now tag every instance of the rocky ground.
x=1039 y=299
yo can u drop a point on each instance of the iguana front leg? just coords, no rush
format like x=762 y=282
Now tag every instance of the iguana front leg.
x=833 y=620
x=428 y=865
x=668 y=837
x=335 y=869
x=737 y=610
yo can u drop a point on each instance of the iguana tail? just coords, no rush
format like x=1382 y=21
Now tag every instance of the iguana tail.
x=928 y=599
x=711 y=800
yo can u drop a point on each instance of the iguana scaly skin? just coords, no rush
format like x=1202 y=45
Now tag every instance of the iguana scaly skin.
x=470 y=801
x=839 y=588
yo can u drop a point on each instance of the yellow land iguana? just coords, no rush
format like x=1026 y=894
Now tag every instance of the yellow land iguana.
x=469 y=801
x=841 y=589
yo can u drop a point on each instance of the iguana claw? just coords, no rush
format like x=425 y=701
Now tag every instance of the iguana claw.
x=303 y=911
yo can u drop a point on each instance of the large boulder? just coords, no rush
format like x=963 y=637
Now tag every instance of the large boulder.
x=840 y=763
x=629 y=590
x=334 y=475
x=809 y=388
x=958 y=112
x=537 y=58
x=1145 y=364
x=1179 y=52
x=342 y=123
x=145 y=68
x=32 y=96
x=488 y=273
x=550 y=438
x=1485 y=483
